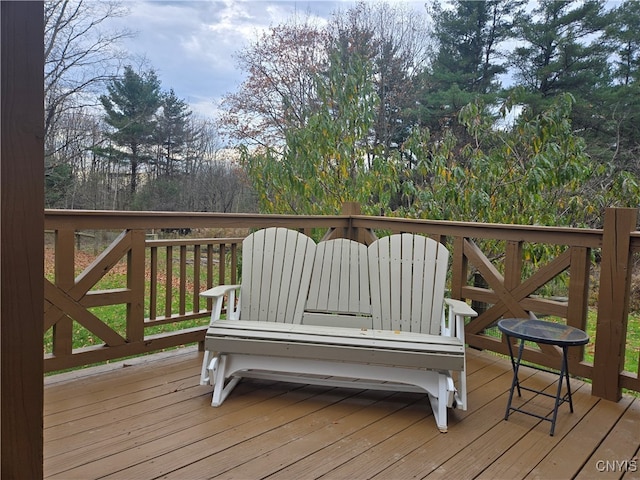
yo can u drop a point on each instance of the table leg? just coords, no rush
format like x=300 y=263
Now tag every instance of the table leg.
x=564 y=374
x=515 y=383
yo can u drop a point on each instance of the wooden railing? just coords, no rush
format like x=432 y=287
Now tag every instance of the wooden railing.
x=164 y=277
x=202 y=254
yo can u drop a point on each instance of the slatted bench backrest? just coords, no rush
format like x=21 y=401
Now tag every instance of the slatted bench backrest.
x=339 y=293
x=276 y=270
x=397 y=283
x=408 y=276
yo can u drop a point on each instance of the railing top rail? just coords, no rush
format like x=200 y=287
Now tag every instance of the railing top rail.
x=531 y=233
x=177 y=214
x=111 y=219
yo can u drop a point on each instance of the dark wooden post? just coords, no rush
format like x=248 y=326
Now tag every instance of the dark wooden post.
x=351 y=208
x=613 y=302
x=21 y=238
x=135 y=283
x=65 y=279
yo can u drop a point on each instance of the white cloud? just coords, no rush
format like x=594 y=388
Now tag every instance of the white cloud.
x=191 y=44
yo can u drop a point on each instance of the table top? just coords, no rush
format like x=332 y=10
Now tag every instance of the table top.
x=540 y=331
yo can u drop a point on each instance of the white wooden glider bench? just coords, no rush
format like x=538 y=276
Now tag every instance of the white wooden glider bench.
x=332 y=312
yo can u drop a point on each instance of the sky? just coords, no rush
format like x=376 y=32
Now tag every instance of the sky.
x=191 y=44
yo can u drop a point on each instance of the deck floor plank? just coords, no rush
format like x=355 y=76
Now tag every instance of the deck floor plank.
x=281 y=422
x=465 y=428
x=79 y=383
x=505 y=439
x=152 y=420
x=126 y=405
x=488 y=382
x=569 y=456
x=367 y=462
x=362 y=447
x=342 y=416
x=381 y=419
x=212 y=434
x=144 y=427
x=621 y=444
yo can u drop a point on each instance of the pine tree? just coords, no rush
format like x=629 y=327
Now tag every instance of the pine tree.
x=563 y=51
x=172 y=131
x=468 y=60
x=130 y=108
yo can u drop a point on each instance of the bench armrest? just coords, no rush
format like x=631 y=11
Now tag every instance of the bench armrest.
x=453 y=320
x=219 y=291
x=218 y=294
x=460 y=308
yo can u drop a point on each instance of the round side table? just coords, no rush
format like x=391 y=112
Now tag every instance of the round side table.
x=550 y=333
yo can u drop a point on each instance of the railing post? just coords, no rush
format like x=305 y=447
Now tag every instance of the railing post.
x=352 y=208
x=135 y=283
x=22 y=239
x=613 y=302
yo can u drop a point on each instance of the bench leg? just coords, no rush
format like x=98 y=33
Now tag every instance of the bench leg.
x=461 y=396
x=220 y=390
x=206 y=372
x=439 y=404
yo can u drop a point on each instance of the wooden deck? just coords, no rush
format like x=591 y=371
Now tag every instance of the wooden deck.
x=149 y=418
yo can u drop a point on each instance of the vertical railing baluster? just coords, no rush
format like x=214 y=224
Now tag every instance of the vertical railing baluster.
x=196 y=279
x=168 y=282
x=222 y=264
x=153 y=283
x=234 y=263
x=578 y=302
x=209 y=272
x=183 y=280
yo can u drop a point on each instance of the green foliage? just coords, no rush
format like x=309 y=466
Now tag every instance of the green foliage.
x=468 y=60
x=468 y=35
x=536 y=171
x=328 y=161
x=131 y=105
x=621 y=33
x=163 y=194
x=530 y=173
x=58 y=180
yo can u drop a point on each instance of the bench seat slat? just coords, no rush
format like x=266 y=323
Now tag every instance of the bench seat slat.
x=293 y=337
x=257 y=328
x=368 y=354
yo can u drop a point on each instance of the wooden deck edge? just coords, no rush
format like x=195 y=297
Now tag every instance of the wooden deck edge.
x=143 y=360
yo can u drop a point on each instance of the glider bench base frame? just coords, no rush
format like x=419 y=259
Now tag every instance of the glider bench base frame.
x=379 y=359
